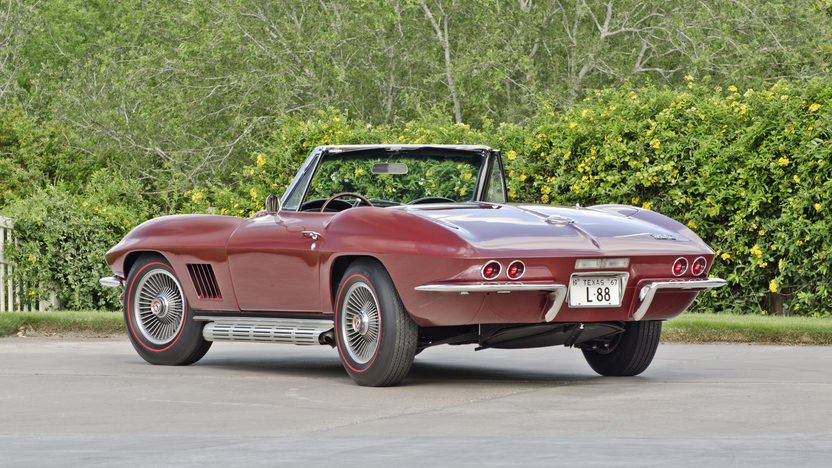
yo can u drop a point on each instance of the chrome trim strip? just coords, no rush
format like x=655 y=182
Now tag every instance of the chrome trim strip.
x=649 y=291
x=272 y=330
x=502 y=287
x=557 y=292
x=110 y=282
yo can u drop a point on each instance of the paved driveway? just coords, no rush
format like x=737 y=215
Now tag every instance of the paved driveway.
x=96 y=403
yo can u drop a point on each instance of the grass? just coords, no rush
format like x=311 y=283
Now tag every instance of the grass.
x=687 y=328
x=93 y=323
x=718 y=328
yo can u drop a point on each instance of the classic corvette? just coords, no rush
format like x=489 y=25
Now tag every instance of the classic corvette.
x=381 y=251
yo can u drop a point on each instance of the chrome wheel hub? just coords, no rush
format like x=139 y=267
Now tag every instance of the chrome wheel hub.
x=361 y=323
x=159 y=307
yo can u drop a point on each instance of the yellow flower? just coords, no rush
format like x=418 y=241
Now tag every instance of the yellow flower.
x=359 y=171
x=732 y=88
x=761 y=232
x=689 y=77
x=725 y=256
x=780 y=264
x=612 y=108
x=544 y=199
x=646 y=205
x=566 y=156
x=772 y=286
x=253 y=193
x=546 y=190
x=572 y=125
x=260 y=160
x=755 y=251
x=796 y=179
x=818 y=206
x=814 y=107
x=798 y=243
x=763 y=264
x=635 y=200
x=691 y=224
x=87 y=204
x=511 y=155
x=783 y=161
x=655 y=143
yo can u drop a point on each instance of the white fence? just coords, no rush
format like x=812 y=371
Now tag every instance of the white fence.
x=11 y=298
x=7 y=294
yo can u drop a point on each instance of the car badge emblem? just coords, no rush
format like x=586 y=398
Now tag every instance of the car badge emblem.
x=558 y=220
x=662 y=236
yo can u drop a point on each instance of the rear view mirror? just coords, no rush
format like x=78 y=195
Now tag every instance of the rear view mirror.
x=389 y=168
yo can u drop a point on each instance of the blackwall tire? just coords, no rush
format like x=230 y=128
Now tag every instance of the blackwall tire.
x=633 y=353
x=375 y=336
x=158 y=318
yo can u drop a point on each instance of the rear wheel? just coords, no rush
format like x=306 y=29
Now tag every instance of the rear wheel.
x=633 y=352
x=376 y=337
x=157 y=315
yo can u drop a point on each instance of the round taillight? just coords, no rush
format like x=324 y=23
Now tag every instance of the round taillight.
x=491 y=270
x=516 y=269
x=698 y=266
x=680 y=266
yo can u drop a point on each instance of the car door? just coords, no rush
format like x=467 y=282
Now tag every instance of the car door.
x=274 y=263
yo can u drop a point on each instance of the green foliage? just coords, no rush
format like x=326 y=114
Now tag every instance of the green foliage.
x=60 y=239
x=749 y=171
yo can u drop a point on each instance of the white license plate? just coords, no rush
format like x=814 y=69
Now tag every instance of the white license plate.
x=595 y=291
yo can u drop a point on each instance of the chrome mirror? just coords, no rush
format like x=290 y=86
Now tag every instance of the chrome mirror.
x=273 y=207
x=272 y=204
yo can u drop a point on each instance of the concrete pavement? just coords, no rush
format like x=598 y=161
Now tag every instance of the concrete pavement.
x=96 y=403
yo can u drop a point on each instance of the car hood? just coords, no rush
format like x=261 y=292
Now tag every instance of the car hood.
x=609 y=230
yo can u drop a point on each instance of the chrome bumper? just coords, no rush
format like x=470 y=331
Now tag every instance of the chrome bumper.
x=648 y=291
x=557 y=292
x=110 y=282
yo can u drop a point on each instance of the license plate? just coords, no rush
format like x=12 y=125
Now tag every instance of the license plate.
x=595 y=291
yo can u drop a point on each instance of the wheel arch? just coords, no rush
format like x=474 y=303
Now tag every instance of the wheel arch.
x=131 y=258
x=339 y=267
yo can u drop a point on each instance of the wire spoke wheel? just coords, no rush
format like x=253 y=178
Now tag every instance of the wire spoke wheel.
x=159 y=307
x=361 y=324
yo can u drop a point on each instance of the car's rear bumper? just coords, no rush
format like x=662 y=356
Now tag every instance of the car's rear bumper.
x=652 y=299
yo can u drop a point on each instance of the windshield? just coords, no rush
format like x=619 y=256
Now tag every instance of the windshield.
x=428 y=174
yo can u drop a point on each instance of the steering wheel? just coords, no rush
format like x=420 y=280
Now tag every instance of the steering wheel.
x=344 y=194
x=430 y=200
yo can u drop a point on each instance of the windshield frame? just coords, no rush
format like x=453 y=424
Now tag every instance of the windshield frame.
x=487 y=157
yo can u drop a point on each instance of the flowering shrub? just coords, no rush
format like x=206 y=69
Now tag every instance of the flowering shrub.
x=748 y=170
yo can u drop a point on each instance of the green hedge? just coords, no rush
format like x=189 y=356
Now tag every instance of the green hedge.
x=749 y=170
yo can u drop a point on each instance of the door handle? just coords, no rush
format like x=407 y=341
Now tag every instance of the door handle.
x=312 y=235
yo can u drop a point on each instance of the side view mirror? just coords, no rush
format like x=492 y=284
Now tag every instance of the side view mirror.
x=273 y=207
x=272 y=204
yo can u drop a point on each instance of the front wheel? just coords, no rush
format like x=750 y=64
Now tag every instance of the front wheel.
x=159 y=321
x=376 y=337
x=633 y=352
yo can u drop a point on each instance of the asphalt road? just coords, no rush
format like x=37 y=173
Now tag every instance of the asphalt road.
x=96 y=403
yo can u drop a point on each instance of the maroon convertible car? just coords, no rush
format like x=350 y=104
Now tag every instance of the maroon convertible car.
x=384 y=250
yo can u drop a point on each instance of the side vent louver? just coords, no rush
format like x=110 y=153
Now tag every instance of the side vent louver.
x=202 y=274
